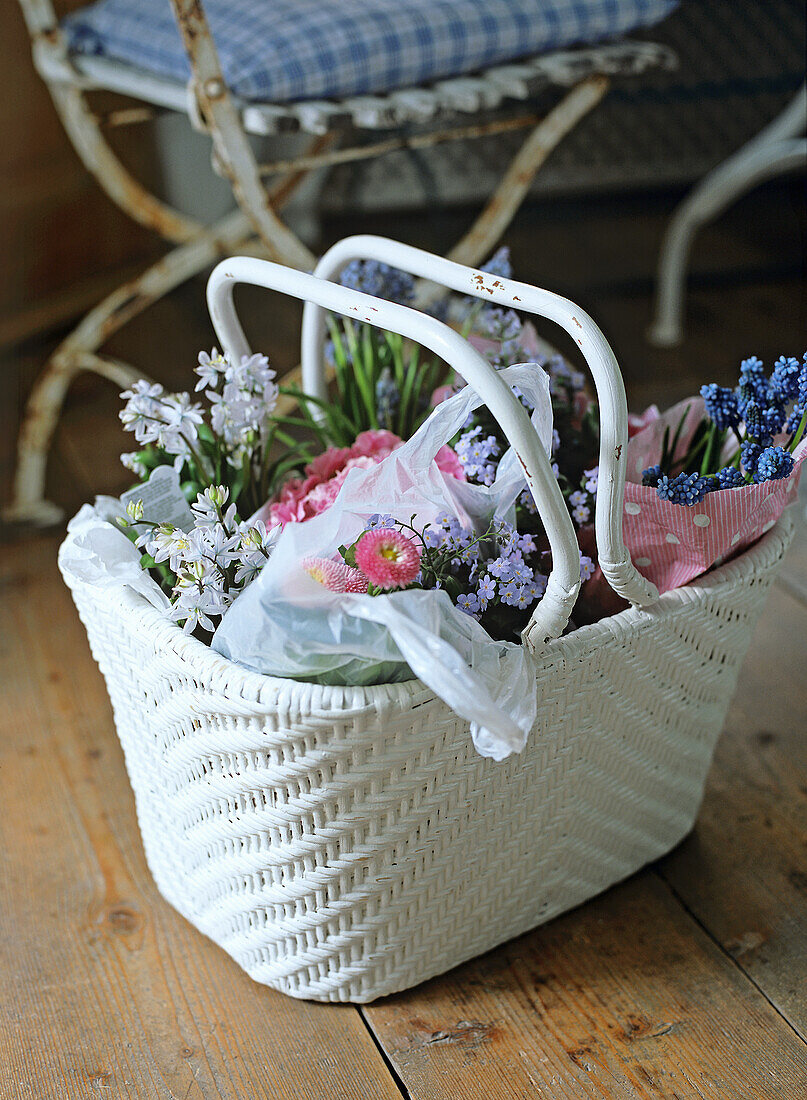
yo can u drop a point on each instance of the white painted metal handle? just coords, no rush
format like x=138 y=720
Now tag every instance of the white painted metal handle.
x=613 y=555
x=552 y=612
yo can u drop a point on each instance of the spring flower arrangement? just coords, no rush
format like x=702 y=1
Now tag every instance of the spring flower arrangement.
x=247 y=471
x=203 y=569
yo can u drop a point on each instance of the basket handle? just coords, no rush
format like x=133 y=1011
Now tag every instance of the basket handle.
x=552 y=613
x=614 y=558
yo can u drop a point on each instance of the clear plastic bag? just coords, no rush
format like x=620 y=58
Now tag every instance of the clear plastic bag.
x=287 y=624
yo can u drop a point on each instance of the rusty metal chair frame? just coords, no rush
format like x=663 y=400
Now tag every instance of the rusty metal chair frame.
x=255 y=227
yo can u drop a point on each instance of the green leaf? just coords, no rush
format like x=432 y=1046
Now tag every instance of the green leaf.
x=665 y=451
x=678 y=430
x=337 y=429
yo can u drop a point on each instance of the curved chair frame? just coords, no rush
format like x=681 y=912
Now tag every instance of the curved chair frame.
x=772 y=152
x=255 y=227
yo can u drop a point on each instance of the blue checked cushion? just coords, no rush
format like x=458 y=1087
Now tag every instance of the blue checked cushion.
x=283 y=50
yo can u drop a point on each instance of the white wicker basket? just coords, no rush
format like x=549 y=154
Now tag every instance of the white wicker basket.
x=344 y=843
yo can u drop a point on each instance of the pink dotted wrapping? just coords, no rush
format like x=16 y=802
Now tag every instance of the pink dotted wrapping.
x=670 y=543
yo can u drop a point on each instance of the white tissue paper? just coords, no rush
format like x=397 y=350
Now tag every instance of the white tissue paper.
x=97 y=552
x=287 y=624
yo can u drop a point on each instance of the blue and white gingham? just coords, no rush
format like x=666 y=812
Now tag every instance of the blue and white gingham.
x=285 y=50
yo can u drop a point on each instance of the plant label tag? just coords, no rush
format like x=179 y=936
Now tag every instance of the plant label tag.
x=163 y=500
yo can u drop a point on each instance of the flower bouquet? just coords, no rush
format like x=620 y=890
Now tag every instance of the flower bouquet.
x=248 y=472
x=711 y=475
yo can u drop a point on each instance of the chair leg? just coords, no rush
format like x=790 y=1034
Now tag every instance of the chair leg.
x=28 y=505
x=771 y=153
x=77 y=353
x=483 y=236
x=234 y=156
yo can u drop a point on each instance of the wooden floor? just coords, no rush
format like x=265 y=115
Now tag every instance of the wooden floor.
x=687 y=981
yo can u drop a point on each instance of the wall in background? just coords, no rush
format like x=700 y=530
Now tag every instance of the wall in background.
x=63 y=242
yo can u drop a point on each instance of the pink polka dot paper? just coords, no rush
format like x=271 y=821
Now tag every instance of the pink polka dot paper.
x=670 y=543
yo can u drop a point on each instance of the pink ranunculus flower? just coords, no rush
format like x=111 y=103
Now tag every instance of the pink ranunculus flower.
x=304 y=497
x=637 y=423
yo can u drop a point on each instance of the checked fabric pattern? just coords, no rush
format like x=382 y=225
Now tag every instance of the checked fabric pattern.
x=278 y=51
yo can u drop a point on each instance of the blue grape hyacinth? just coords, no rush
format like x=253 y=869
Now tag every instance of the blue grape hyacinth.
x=687 y=489
x=773 y=417
x=754 y=419
x=730 y=478
x=380 y=280
x=753 y=385
x=749 y=455
x=722 y=405
x=785 y=378
x=774 y=464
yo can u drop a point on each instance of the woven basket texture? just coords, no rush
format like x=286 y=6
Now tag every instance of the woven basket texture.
x=344 y=843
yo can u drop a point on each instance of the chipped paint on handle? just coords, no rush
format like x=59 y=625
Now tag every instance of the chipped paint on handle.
x=551 y=614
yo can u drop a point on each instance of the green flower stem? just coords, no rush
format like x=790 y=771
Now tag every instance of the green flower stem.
x=204 y=470
x=690 y=457
x=677 y=436
x=167 y=578
x=395 y=341
x=710 y=446
x=794 y=442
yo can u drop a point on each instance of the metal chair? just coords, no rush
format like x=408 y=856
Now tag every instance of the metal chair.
x=418 y=117
x=772 y=152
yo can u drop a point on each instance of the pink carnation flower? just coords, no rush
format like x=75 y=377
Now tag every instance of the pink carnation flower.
x=448 y=462
x=387 y=558
x=376 y=443
x=304 y=497
x=335 y=575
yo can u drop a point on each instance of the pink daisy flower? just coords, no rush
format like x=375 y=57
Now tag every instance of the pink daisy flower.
x=335 y=575
x=387 y=558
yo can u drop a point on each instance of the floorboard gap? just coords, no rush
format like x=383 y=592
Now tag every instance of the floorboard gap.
x=728 y=955
x=387 y=1060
